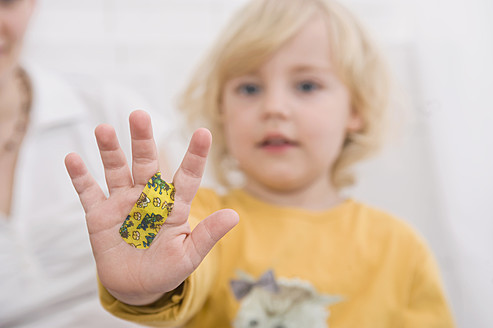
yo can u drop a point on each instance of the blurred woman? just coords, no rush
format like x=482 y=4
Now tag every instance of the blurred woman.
x=47 y=275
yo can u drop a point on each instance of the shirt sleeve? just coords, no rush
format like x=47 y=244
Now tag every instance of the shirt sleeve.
x=428 y=306
x=177 y=307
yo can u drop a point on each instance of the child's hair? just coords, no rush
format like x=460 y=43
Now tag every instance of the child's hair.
x=253 y=35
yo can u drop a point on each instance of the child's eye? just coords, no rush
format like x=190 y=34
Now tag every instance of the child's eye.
x=248 y=89
x=307 y=86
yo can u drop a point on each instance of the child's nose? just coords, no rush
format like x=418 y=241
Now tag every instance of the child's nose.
x=276 y=103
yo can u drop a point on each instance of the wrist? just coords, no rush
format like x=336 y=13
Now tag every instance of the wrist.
x=136 y=299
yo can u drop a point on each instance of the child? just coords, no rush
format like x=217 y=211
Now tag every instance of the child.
x=294 y=92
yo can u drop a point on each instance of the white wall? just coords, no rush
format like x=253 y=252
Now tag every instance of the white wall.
x=436 y=171
x=457 y=73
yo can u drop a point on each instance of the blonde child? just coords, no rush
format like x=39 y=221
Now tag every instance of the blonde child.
x=294 y=92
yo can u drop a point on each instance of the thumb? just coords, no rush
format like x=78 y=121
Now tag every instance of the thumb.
x=208 y=232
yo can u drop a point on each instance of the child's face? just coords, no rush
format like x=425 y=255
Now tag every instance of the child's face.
x=285 y=123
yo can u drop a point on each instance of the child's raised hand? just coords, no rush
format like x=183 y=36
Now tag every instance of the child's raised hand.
x=137 y=276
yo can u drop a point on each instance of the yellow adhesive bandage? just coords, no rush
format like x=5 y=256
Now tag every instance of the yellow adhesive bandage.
x=149 y=213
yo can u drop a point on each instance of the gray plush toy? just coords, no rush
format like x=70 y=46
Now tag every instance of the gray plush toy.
x=281 y=303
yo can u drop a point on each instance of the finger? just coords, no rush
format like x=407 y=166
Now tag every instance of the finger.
x=90 y=194
x=189 y=174
x=208 y=232
x=145 y=161
x=116 y=170
x=187 y=178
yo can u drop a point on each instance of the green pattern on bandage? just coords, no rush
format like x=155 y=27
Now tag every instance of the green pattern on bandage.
x=149 y=213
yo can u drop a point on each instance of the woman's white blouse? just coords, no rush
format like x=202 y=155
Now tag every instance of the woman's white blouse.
x=47 y=272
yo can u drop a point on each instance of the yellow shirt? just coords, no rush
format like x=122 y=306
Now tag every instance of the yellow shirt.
x=381 y=268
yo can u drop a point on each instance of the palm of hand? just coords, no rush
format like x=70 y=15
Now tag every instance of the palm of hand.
x=137 y=276
x=123 y=268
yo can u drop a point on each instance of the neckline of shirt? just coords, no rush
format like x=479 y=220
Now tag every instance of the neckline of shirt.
x=253 y=202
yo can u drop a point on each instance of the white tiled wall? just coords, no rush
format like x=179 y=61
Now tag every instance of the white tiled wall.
x=148 y=44
x=152 y=44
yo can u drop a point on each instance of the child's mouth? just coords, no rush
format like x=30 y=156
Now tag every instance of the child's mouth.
x=277 y=144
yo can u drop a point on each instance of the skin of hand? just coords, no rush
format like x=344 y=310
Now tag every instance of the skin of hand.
x=137 y=276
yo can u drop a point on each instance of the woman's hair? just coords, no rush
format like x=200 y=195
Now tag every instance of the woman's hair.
x=253 y=35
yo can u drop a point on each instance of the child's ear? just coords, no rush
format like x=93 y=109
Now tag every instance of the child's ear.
x=355 y=122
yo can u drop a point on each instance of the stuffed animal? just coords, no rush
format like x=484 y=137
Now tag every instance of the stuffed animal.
x=281 y=303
